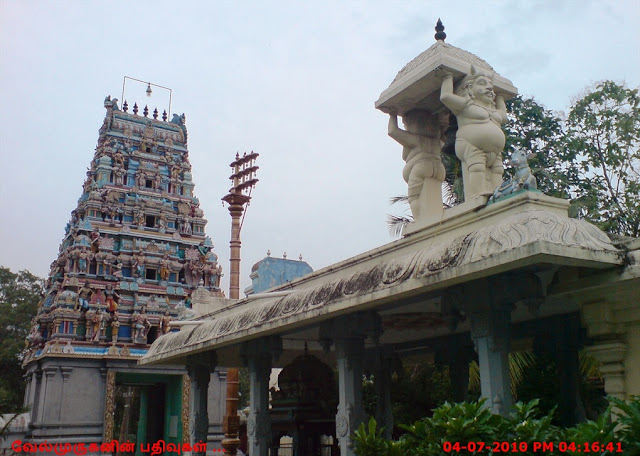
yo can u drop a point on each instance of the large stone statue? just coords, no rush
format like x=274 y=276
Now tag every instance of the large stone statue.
x=427 y=83
x=479 y=139
x=423 y=172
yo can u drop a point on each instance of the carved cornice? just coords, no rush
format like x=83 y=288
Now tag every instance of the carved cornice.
x=517 y=236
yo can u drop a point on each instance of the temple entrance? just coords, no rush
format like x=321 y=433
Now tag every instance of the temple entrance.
x=147 y=409
x=155 y=412
x=304 y=408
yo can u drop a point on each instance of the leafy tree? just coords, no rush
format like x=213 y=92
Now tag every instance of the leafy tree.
x=417 y=389
x=603 y=135
x=19 y=296
x=537 y=130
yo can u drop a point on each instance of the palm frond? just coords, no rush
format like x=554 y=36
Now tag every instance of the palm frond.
x=589 y=366
x=519 y=362
x=404 y=199
x=396 y=224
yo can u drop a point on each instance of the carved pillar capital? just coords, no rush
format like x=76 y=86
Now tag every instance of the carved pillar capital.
x=601 y=320
x=202 y=364
x=50 y=372
x=359 y=325
x=66 y=373
x=611 y=356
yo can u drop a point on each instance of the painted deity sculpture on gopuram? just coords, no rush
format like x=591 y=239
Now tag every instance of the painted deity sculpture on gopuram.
x=135 y=244
x=447 y=87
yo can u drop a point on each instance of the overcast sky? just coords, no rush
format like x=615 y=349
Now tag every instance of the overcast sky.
x=293 y=81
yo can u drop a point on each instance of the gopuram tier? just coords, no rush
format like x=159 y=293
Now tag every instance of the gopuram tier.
x=132 y=254
x=135 y=247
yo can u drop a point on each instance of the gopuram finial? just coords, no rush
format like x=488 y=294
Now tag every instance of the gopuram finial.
x=440 y=35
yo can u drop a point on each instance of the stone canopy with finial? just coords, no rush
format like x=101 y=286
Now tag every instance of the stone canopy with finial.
x=417 y=84
x=424 y=93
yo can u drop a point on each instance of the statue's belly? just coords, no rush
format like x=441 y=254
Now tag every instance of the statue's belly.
x=486 y=136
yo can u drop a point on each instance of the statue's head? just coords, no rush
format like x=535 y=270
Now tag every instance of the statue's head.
x=477 y=85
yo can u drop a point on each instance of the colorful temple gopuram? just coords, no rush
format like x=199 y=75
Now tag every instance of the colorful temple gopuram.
x=132 y=254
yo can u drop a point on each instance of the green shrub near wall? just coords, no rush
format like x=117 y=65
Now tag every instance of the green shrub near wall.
x=469 y=428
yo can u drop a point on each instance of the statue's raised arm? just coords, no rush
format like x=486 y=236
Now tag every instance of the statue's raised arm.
x=452 y=101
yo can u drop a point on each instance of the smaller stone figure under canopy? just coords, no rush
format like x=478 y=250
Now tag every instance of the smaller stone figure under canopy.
x=423 y=172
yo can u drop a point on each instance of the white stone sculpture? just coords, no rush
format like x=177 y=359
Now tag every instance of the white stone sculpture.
x=419 y=85
x=423 y=172
x=479 y=139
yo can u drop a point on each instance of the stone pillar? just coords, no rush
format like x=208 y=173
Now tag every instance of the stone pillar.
x=349 y=354
x=612 y=326
x=459 y=357
x=260 y=355
x=348 y=333
x=66 y=373
x=382 y=370
x=567 y=330
x=29 y=379
x=46 y=393
x=632 y=361
x=199 y=367
x=491 y=334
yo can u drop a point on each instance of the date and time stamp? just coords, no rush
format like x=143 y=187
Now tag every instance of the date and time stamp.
x=534 y=447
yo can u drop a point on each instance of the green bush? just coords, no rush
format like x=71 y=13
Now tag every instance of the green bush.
x=629 y=432
x=462 y=422
x=368 y=441
x=525 y=427
x=601 y=431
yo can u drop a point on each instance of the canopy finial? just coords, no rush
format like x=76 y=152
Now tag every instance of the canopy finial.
x=440 y=35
